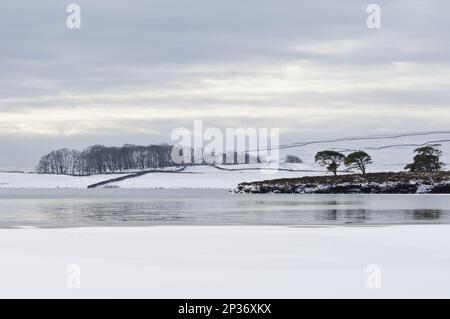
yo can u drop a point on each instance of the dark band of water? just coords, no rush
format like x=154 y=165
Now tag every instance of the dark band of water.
x=141 y=207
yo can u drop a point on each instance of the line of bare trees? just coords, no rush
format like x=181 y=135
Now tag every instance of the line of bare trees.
x=99 y=159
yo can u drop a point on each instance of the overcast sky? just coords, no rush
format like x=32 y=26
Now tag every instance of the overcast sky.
x=138 y=69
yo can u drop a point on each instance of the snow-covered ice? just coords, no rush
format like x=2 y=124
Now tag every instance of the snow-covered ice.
x=227 y=262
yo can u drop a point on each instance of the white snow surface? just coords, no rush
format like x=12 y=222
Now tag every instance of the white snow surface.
x=206 y=177
x=28 y=180
x=226 y=262
x=202 y=176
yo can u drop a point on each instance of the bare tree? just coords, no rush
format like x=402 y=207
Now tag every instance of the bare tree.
x=99 y=159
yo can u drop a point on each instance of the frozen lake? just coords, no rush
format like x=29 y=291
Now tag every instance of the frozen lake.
x=146 y=207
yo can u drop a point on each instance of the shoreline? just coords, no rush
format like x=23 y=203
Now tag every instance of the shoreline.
x=371 y=183
x=287 y=226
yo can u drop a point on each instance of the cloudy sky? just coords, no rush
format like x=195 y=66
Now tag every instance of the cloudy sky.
x=138 y=69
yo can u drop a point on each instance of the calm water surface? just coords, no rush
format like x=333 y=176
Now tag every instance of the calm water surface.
x=141 y=207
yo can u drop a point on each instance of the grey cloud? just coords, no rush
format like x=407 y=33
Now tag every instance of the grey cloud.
x=147 y=46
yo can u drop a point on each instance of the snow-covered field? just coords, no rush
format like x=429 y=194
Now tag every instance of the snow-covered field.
x=205 y=177
x=27 y=180
x=192 y=177
x=226 y=262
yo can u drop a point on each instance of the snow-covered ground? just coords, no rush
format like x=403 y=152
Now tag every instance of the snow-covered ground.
x=206 y=177
x=226 y=262
x=27 y=180
x=191 y=177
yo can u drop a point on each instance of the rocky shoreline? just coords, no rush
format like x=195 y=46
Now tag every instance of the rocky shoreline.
x=374 y=183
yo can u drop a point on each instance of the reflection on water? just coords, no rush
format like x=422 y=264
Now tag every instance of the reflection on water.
x=423 y=214
x=349 y=216
x=120 y=207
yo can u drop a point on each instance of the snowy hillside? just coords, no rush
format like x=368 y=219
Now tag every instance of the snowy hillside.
x=389 y=152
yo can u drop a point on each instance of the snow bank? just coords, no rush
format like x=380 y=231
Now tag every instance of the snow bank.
x=226 y=262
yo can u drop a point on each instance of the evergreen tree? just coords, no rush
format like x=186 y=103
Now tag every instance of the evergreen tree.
x=332 y=160
x=358 y=160
x=427 y=159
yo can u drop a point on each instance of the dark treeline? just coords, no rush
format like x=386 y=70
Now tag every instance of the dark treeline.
x=100 y=159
